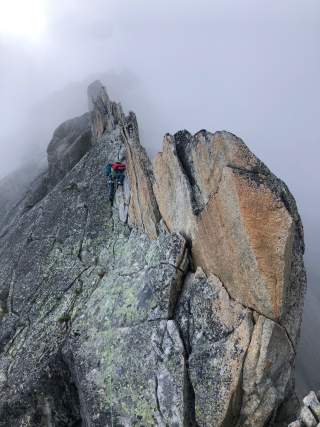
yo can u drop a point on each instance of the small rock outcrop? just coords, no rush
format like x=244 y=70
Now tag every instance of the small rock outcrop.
x=309 y=414
x=177 y=305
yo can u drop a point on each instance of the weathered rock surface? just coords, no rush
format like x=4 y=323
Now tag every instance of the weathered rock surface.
x=216 y=332
x=54 y=261
x=242 y=221
x=266 y=372
x=131 y=360
x=143 y=209
x=104 y=320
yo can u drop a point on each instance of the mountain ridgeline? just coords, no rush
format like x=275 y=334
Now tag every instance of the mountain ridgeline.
x=179 y=304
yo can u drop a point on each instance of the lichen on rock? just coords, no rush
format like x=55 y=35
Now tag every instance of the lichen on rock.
x=179 y=304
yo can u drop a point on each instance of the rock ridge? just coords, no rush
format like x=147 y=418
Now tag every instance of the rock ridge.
x=177 y=305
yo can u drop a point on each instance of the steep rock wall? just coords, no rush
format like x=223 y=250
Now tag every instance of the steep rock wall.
x=242 y=221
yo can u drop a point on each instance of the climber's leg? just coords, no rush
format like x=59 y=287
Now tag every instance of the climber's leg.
x=110 y=185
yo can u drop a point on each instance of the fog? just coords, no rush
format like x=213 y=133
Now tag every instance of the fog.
x=247 y=66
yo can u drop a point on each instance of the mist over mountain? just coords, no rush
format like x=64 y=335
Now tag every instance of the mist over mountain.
x=249 y=67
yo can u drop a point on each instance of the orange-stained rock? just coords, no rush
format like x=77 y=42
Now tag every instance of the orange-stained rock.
x=256 y=233
x=242 y=221
x=172 y=189
x=143 y=208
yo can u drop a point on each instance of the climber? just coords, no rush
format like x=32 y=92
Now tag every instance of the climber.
x=115 y=177
x=110 y=181
x=118 y=170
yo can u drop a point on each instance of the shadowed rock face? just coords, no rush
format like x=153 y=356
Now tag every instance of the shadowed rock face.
x=178 y=305
x=16 y=192
x=70 y=142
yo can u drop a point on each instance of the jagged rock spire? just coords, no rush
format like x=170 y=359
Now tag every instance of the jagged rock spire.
x=96 y=92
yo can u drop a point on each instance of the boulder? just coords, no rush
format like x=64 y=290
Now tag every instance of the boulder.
x=242 y=221
x=309 y=414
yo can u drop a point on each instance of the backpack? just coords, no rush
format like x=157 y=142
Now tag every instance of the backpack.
x=119 y=166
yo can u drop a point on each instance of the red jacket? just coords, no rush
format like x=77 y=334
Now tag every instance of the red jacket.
x=118 y=166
